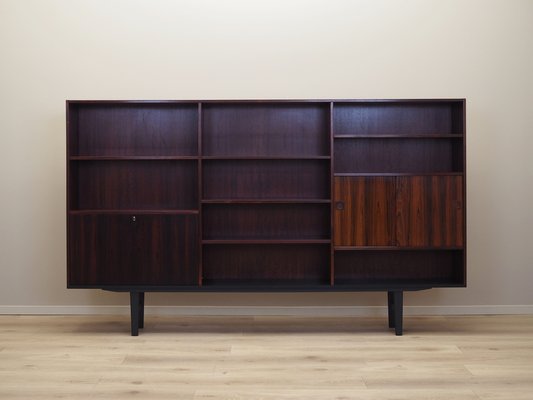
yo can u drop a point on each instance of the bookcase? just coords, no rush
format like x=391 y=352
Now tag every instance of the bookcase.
x=266 y=195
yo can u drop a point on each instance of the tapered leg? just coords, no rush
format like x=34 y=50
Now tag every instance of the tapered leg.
x=390 y=302
x=398 y=312
x=134 y=309
x=141 y=309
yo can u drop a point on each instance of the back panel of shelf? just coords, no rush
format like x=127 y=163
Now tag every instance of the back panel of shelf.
x=260 y=263
x=266 y=221
x=266 y=179
x=408 y=117
x=133 y=129
x=269 y=129
x=389 y=155
x=147 y=184
x=442 y=267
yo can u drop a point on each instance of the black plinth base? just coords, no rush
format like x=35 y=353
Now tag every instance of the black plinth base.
x=395 y=307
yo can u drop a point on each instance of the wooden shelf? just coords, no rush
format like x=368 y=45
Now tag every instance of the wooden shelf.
x=379 y=284
x=393 y=248
x=266 y=201
x=399 y=174
x=267 y=284
x=273 y=157
x=401 y=136
x=131 y=158
x=266 y=241
x=132 y=211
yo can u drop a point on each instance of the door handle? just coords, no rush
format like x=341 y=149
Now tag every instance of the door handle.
x=339 y=205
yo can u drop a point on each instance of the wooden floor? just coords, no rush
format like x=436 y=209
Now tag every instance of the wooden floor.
x=81 y=357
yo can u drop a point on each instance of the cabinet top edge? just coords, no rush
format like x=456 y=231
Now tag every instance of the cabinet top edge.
x=266 y=101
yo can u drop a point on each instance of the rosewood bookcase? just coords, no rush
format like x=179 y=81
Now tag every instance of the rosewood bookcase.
x=266 y=195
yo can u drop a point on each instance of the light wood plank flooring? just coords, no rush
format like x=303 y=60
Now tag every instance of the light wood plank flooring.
x=82 y=357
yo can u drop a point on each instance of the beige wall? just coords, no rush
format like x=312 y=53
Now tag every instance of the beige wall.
x=53 y=50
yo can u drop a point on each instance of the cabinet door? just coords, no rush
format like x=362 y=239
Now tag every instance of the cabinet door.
x=364 y=211
x=429 y=211
x=132 y=250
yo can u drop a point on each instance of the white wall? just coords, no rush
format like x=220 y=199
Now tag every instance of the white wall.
x=52 y=50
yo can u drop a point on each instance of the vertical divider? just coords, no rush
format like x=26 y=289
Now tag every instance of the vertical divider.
x=69 y=188
x=200 y=195
x=463 y=103
x=331 y=192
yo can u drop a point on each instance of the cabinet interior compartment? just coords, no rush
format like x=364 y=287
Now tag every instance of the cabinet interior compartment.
x=396 y=155
x=133 y=129
x=269 y=129
x=146 y=184
x=266 y=179
x=266 y=221
x=264 y=264
x=397 y=267
x=398 y=118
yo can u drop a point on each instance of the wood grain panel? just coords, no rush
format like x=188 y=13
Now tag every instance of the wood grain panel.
x=396 y=267
x=266 y=221
x=265 y=129
x=134 y=129
x=429 y=211
x=266 y=179
x=145 y=184
x=116 y=250
x=397 y=118
x=266 y=263
x=396 y=155
x=367 y=214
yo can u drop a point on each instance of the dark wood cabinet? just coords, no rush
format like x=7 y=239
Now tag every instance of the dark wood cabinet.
x=266 y=195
